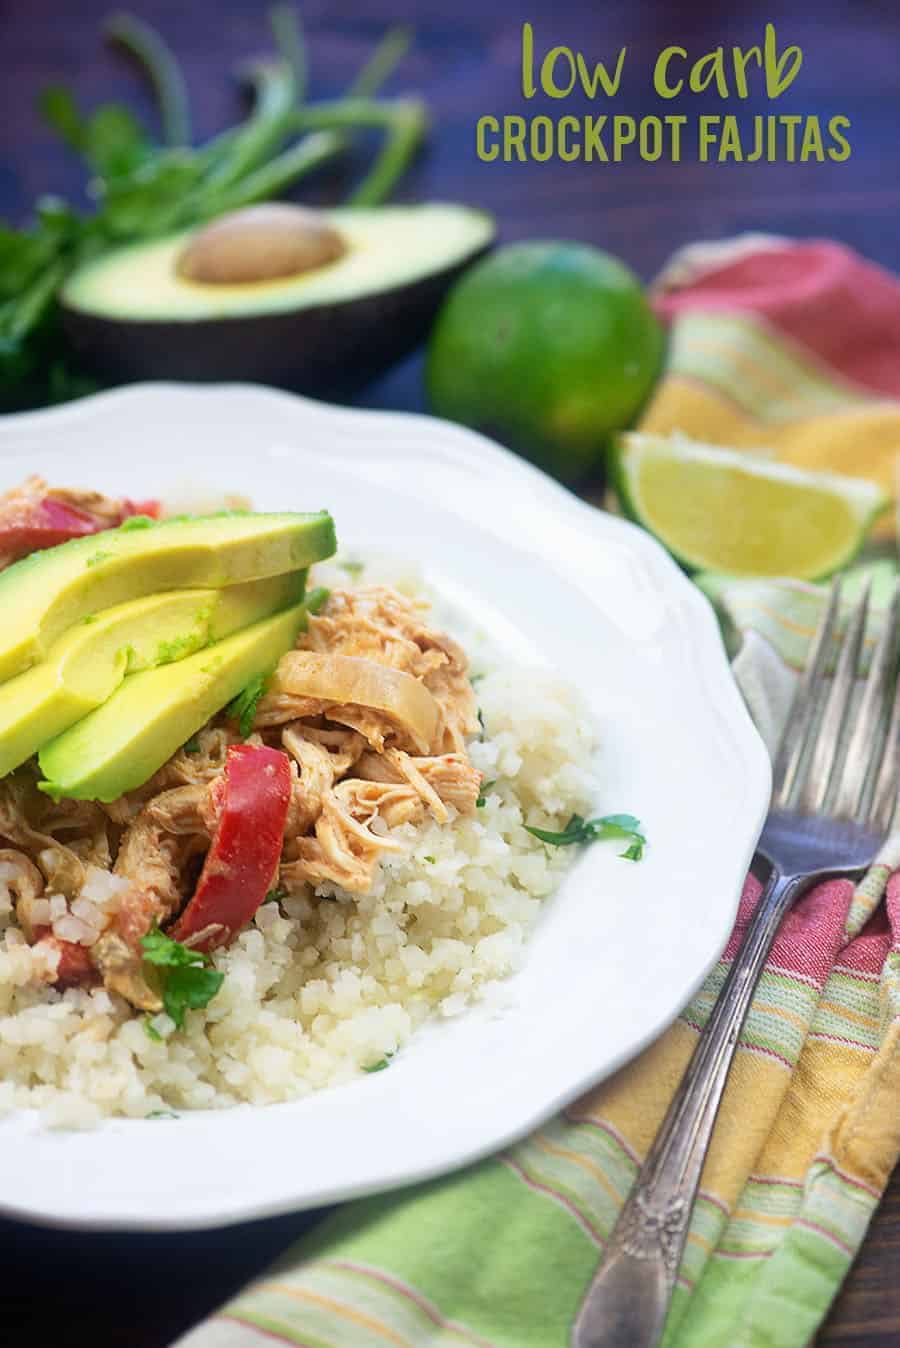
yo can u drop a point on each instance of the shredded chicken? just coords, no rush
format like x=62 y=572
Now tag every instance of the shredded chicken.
x=344 y=850
x=62 y=868
x=376 y=624
x=154 y=854
x=25 y=883
x=446 y=779
x=360 y=769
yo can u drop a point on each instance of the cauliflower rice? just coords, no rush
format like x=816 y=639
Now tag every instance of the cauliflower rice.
x=317 y=989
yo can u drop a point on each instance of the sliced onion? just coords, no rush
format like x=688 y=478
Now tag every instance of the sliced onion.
x=349 y=679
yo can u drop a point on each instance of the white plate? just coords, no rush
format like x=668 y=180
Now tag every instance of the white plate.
x=620 y=948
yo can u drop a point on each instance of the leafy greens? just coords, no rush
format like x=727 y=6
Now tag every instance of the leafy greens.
x=144 y=187
x=579 y=830
x=187 y=978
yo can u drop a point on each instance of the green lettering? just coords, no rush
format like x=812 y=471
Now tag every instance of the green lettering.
x=481 y=149
x=650 y=145
x=730 y=144
x=842 y=151
x=812 y=146
x=707 y=127
x=528 y=60
x=707 y=69
x=624 y=132
x=593 y=141
x=541 y=151
x=566 y=150
x=609 y=83
x=514 y=138
x=741 y=61
x=548 y=82
x=660 y=71
x=776 y=82
x=790 y=122
x=675 y=123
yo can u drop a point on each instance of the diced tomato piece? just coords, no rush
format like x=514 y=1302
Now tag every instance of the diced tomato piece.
x=75 y=966
x=240 y=868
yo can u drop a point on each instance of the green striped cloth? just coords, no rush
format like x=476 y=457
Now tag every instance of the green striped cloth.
x=499 y=1255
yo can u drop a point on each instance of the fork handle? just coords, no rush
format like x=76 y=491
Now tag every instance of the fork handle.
x=627 y=1302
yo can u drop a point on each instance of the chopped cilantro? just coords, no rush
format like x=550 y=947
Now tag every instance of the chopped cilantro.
x=188 y=981
x=192 y=746
x=276 y=895
x=243 y=708
x=579 y=830
x=353 y=568
x=316 y=599
x=137 y=522
x=431 y=860
x=151 y=1031
x=475 y=678
x=482 y=794
x=161 y=1114
x=88 y=618
x=96 y=558
x=481 y=721
x=381 y=1064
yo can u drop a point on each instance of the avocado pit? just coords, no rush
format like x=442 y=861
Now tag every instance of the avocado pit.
x=259 y=243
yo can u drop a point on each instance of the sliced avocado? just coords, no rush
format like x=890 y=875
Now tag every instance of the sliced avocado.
x=85 y=667
x=120 y=745
x=328 y=328
x=47 y=593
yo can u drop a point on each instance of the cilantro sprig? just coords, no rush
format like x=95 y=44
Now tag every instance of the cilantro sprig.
x=580 y=830
x=187 y=978
x=243 y=708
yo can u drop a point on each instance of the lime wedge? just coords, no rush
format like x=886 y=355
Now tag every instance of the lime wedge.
x=727 y=510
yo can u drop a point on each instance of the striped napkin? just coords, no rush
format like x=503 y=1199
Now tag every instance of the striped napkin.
x=794 y=346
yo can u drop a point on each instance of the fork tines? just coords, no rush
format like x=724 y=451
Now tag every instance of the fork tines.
x=840 y=750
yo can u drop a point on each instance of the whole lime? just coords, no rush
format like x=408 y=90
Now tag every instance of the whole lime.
x=547 y=346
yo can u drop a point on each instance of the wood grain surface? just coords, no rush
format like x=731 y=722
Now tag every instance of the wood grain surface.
x=140 y=1291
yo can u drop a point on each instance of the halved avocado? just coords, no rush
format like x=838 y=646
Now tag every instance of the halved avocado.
x=320 y=302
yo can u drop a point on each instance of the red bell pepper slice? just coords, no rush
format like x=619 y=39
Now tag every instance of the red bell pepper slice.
x=252 y=798
x=29 y=526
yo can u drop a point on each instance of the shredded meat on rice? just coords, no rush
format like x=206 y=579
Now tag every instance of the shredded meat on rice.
x=357 y=772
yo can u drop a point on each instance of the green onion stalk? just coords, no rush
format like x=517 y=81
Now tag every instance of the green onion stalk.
x=144 y=189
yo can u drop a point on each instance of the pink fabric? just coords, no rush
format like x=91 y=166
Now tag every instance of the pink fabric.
x=812 y=934
x=826 y=297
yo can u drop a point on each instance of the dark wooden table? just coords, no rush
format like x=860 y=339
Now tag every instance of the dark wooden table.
x=140 y=1291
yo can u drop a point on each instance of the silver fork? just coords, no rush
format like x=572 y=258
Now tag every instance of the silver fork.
x=835 y=785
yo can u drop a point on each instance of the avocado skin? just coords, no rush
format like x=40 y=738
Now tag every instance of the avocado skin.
x=330 y=350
